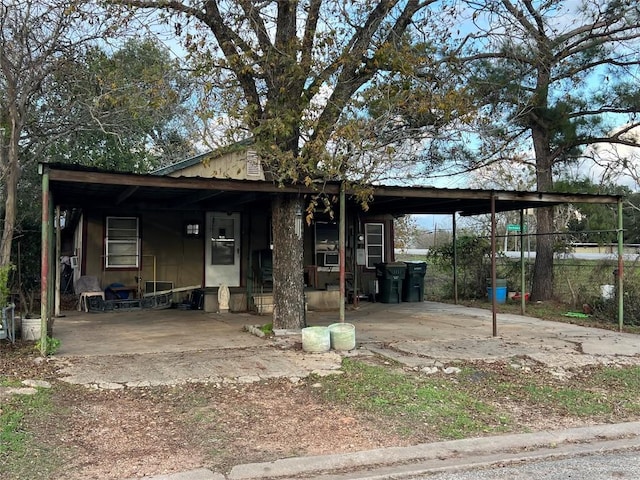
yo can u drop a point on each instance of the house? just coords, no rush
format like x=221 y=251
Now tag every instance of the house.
x=203 y=223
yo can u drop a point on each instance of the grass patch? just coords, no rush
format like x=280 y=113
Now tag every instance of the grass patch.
x=480 y=400
x=9 y=382
x=626 y=379
x=423 y=401
x=581 y=403
x=20 y=456
x=623 y=385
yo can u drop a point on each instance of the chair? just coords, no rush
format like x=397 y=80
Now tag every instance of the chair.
x=351 y=290
x=263 y=269
x=83 y=302
x=311 y=275
x=87 y=286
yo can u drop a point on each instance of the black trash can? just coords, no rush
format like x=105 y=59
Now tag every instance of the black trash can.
x=390 y=277
x=413 y=285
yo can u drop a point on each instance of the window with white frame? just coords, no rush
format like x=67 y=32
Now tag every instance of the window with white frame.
x=122 y=242
x=374 y=243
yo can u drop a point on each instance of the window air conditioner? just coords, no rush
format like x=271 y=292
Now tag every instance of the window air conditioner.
x=331 y=259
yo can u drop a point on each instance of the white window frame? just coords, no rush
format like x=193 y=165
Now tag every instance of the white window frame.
x=122 y=241
x=369 y=244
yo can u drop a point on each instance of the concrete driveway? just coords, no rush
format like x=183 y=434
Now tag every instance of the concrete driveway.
x=114 y=350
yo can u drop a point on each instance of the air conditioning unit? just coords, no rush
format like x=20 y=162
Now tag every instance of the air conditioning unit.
x=331 y=259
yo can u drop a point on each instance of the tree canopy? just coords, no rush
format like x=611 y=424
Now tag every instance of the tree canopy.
x=289 y=72
x=549 y=78
x=125 y=110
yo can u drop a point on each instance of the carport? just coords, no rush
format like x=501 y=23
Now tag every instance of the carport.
x=66 y=186
x=469 y=202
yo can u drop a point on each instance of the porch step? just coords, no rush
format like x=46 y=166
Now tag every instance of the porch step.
x=263 y=303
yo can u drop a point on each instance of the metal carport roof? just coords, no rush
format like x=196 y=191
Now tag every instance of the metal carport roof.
x=70 y=186
x=76 y=187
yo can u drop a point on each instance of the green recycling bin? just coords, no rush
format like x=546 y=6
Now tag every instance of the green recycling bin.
x=413 y=285
x=390 y=277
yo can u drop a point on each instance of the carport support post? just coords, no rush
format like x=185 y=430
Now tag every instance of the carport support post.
x=45 y=261
x=494 y=293
x=455 y=260
x=341 y=244
x=522 y=276
x=620 y=267
x=57 y=268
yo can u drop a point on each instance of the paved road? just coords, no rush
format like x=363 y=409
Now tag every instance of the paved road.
x=609 y=466
x=607 y=452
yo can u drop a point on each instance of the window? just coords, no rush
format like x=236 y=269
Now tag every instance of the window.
x=223 y=242
x=192 y=230
x=254 y=168
x=122 y=242
x=374 y=243
x=327 y=246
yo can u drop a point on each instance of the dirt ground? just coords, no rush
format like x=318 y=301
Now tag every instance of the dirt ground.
x=138 y=432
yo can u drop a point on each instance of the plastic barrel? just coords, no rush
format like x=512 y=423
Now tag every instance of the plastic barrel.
x=316 y=339
x=501 y=294
x=343 y=336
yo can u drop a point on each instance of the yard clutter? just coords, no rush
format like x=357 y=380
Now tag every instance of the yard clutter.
x=337 y=336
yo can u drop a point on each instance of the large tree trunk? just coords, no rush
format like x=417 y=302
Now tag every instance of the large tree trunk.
x=288 y=270
x=543 y=267
x=542 y=288
x=11 y=172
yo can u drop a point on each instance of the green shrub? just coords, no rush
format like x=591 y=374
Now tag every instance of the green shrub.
x=474 y=263
x=5 y=291
x=53 y=344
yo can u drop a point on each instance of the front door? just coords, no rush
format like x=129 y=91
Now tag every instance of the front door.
x=222 y=255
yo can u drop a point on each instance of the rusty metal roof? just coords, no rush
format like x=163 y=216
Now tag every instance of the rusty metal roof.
x=75 y=186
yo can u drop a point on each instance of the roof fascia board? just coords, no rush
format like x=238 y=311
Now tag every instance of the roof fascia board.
x=498 y=195
x=133 y=180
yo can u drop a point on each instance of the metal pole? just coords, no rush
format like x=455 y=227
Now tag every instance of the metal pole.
x=57 y=268
x=354 y=265
x=52 y=268
x=455 y=261
x=522 y=265
x=494 y=293
x=341 y=245
x=44 y=264
x=620 y=267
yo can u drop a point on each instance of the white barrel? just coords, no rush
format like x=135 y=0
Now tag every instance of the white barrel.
x=31 y=329
x=607 y=292
x=316 y=339
x=343 y=336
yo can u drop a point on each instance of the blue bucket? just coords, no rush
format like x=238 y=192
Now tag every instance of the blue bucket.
x=501 y=294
